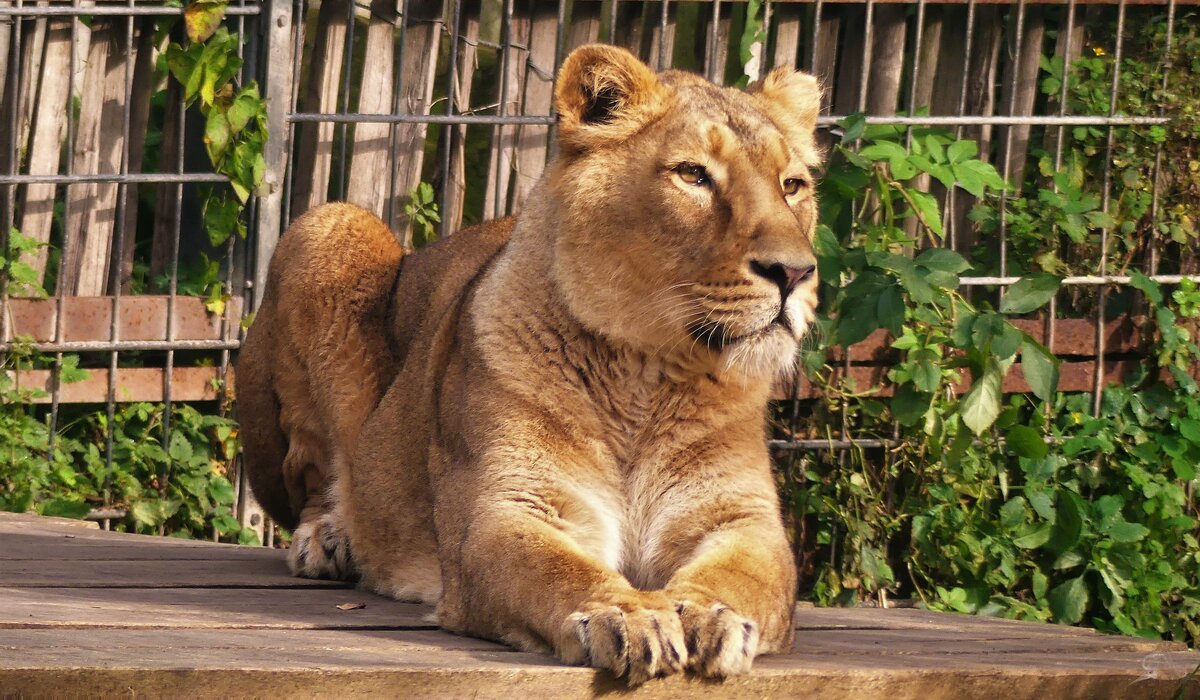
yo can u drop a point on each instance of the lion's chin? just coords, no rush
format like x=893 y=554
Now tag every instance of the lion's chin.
x=769 y=353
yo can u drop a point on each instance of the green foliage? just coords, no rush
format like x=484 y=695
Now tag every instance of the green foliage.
x=1025 y=506
x=422 y=211
x=21 y=278
x=183 y=490
x=1056 y=226
x=235 y=129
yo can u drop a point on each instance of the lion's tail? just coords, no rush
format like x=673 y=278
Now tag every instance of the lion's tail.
x=317 y=357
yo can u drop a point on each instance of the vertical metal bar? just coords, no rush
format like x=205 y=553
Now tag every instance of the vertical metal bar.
x=59 y=290
x=1008 y=137
x=278 y=109
x=662 y=35
x=868 y=40
x=1168 y=63
x=614 y=7
x=10 y=190
x=347 y=64
x=279 y=94
x=916 y=69
x=560 y=39
x=818 y=8
x=714 y=72
x=949 y=217
x=448 y=129
x=499 y=205
x=397 y=88
x=1062 y=91
x=1105 y=199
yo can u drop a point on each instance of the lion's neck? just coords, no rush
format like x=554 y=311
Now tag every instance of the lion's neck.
x=522 y=307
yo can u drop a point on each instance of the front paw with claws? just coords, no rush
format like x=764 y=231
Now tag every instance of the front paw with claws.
x=636 y=642
x=719 y=641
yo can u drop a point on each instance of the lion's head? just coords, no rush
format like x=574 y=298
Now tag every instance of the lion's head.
x=687 y=210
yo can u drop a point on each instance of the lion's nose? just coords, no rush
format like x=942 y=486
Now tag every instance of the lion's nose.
x=786 y=277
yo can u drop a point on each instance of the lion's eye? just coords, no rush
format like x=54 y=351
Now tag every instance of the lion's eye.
x=692 y=174
x=792 y=185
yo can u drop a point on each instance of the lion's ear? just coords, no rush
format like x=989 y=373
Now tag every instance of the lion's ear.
x=793 y=100
x=604 y=94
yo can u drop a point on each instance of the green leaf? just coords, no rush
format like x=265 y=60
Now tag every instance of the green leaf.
x=926 y=376
x=1068 y=601
x=962 y=150
x=909 y=405
x=64 y=508
x=1025 y=441
x=890 y=309
x=1068 y=521
x=179 y=448
x=202 y=17
x=1148 y=287
x=1032 y=535
x=1040 y=368
x=221 y=491
x=944 y=260
x=1127 y=532
x=853 y=127
x=981 y=405
x=1013 y=513
x=1039 y=584
x=1029 y=293
x=926 y=206
x=216 y=134
x=245 y=106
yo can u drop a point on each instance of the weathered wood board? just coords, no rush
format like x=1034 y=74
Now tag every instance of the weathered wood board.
x=90 y=613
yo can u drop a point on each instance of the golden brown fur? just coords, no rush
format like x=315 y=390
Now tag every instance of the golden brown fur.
x=562 y=438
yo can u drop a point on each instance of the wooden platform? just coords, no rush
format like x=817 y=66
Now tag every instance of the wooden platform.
x=90 y=613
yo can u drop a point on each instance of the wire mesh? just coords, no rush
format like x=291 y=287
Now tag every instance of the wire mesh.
x=460 y=124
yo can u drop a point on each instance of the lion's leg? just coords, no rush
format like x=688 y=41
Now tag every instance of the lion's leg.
x=521 y=570
x=320 y=547
x=736 y=593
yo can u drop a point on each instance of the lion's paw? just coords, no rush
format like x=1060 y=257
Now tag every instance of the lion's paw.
x=321 y=549
x=640 y=643
x=720 y=642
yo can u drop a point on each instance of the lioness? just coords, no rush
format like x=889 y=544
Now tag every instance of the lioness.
x=554 y=427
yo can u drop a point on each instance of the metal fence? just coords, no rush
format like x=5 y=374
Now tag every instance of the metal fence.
x=369 y=100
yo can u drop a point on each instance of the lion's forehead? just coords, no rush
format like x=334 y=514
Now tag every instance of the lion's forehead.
x=728 y=120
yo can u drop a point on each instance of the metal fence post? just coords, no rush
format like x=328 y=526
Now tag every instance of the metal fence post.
x=277 y=78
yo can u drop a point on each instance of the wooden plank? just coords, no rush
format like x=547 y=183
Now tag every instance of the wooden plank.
x=468 y=58
x=314 y=151
x=168 y=195
x=37 y=208
x=139 y=118
x=1073 y=338
x=140 y=318
x=501 y=161
x=422 y=41
x=134 y=573
x=585 y=24
x=133 y=384
x=887 y=59
x=1073 y=376
x=825 y=54
x=372 y=148
x=99 y=138
x=205 y=608
x=657 y=45
x=90 y=633
x=1018 y=93
x=345 y=663
x=538 y=94
x=787 y=19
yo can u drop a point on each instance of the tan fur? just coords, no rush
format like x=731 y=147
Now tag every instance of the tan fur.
x=570 y=453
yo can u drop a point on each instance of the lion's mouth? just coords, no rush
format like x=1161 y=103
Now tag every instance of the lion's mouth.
x=718 y=336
